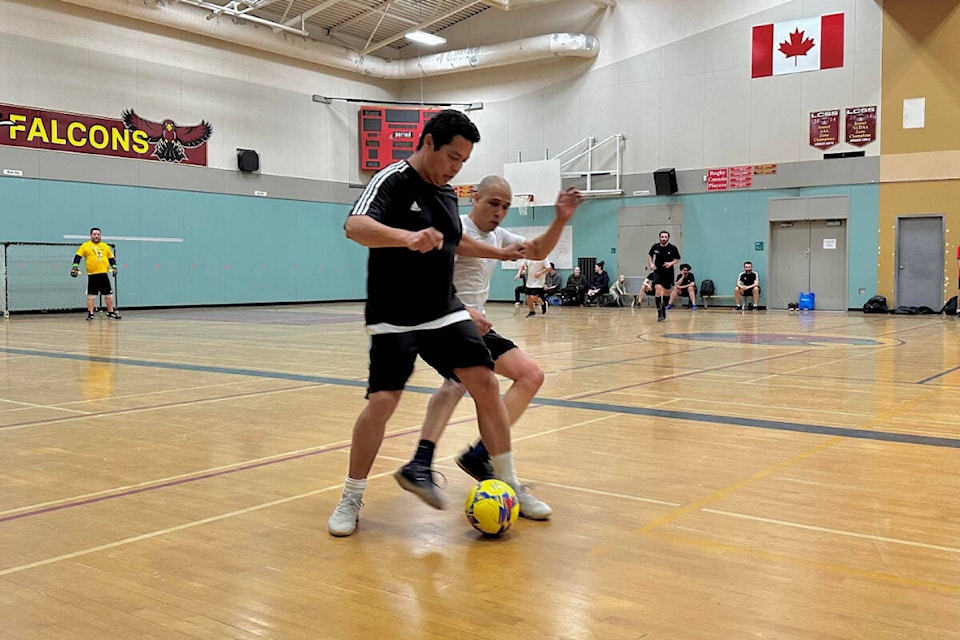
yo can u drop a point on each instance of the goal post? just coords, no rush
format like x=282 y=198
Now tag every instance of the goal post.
x=35 y=277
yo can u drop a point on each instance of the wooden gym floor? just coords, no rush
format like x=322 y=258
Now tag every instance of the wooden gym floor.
x=720 y=475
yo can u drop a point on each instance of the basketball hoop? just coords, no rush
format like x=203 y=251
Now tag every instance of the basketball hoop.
x=523 y=202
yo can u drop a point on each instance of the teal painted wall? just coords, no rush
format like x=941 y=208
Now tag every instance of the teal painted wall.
x=239 y=249
x=235 y=249
x=719 y=232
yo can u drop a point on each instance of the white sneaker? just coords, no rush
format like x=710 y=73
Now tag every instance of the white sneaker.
x=531 y=507
x=343 y=521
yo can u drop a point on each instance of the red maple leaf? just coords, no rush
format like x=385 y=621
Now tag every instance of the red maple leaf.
x=796 y=46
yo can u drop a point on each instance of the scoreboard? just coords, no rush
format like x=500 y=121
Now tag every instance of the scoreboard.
x=389 y=134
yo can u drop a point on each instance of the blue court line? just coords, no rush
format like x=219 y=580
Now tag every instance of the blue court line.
x=798 y=427
x=939 y=375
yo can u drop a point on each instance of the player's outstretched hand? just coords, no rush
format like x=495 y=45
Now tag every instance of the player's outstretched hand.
x=425 y=240
x=513 y=251
x=74 y=272
x=114 y=272
x=567 y=202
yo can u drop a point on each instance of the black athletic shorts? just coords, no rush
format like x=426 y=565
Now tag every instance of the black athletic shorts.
x=664 y=279
x=497 y=344
x=98 y=283
x=456 y=346
x=536 y=292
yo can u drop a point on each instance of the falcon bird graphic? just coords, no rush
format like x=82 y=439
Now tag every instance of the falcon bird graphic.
x=169 y=138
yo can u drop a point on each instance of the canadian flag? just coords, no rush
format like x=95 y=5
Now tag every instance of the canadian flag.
x=810 y=44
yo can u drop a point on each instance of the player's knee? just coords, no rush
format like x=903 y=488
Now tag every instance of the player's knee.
x=381 y=404
x=531 y=375
x=451 y=389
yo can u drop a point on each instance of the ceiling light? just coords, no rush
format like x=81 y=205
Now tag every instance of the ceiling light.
x=426 y=38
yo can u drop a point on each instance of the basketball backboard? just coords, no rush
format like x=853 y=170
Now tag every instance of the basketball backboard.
x=540 y=178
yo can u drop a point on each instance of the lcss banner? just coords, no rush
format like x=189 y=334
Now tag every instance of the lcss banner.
x=128 y=137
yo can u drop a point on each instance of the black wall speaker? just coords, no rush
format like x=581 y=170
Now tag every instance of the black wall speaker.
x=248 y=160
x=666 y=181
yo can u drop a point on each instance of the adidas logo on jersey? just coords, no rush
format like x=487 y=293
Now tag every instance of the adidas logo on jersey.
x=415 y=206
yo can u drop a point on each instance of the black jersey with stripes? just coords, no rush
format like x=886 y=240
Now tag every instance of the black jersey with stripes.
x=406 y=288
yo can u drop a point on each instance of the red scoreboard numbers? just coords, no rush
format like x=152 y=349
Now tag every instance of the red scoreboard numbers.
x=389 y=134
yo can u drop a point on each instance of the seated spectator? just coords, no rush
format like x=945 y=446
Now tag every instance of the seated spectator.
x=551 y=286
x=617 y=294
x=521 y=275
x=686 y=285
x=748 y=285
x=646 y=288
x=599 y=284
x=576 y=287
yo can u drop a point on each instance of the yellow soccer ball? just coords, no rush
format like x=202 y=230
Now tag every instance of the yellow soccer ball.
x=492 y=507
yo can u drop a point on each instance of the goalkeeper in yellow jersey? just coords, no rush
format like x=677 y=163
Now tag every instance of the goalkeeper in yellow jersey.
x=99 y=259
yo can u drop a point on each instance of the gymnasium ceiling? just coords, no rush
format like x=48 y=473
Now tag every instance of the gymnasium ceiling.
x=367 y=26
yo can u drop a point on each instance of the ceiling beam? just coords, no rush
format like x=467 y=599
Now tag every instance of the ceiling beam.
x=300 y=19
x=425 y=23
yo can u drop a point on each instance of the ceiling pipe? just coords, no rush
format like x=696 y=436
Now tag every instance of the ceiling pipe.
x=185 y=18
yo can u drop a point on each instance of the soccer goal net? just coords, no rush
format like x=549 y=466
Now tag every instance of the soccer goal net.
x=36 y=278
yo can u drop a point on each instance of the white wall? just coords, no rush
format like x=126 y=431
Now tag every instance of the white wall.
x=63 y=58
x=673 y=75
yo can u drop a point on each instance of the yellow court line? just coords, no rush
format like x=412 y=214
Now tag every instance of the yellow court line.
x=825 y=566
x=739 y=484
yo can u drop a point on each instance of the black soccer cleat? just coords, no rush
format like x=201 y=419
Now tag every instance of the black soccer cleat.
x=479 y=468
x=418 y=479
x=113 y=314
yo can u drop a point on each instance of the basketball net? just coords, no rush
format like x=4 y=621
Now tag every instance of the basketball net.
x=523 y=202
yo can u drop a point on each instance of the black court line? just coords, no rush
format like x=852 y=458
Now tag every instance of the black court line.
x=939 y=375
x=799 y=427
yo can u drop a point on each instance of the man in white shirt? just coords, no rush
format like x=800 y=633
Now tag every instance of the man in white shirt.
x=537 y=271
x=471 y=279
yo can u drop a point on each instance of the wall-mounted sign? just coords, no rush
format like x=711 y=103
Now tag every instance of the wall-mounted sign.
x=741 y=177
x=717 y=179
x=128 y=137
x=764 y=169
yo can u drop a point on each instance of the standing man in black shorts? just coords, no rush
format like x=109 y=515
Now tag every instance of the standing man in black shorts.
x=407 y=215
x=663 y=257
x=471 y=278
x=98 y=260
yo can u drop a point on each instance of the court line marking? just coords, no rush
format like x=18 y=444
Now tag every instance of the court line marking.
x=30 y=405
x=224 y=516
x=939 y=375
x=168 y=405
x=816 y=564
x=719 y=494
x=855 y=433
x=839 y=532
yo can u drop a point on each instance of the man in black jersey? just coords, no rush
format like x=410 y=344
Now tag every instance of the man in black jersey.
x=748 y=285
x=663 y=257
x=407 y=215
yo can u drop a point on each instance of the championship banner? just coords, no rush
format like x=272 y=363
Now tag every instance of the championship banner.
x=824 y=128
x=131 y=136
x=861 y=126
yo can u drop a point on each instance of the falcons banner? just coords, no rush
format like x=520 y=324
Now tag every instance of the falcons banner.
x=129 y=137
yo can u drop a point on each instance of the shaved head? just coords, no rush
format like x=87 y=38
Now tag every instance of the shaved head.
x=491 y=203
x=493 y=182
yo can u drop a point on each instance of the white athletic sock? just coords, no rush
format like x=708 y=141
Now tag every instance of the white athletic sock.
x=503 y=467
x=354 y=486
